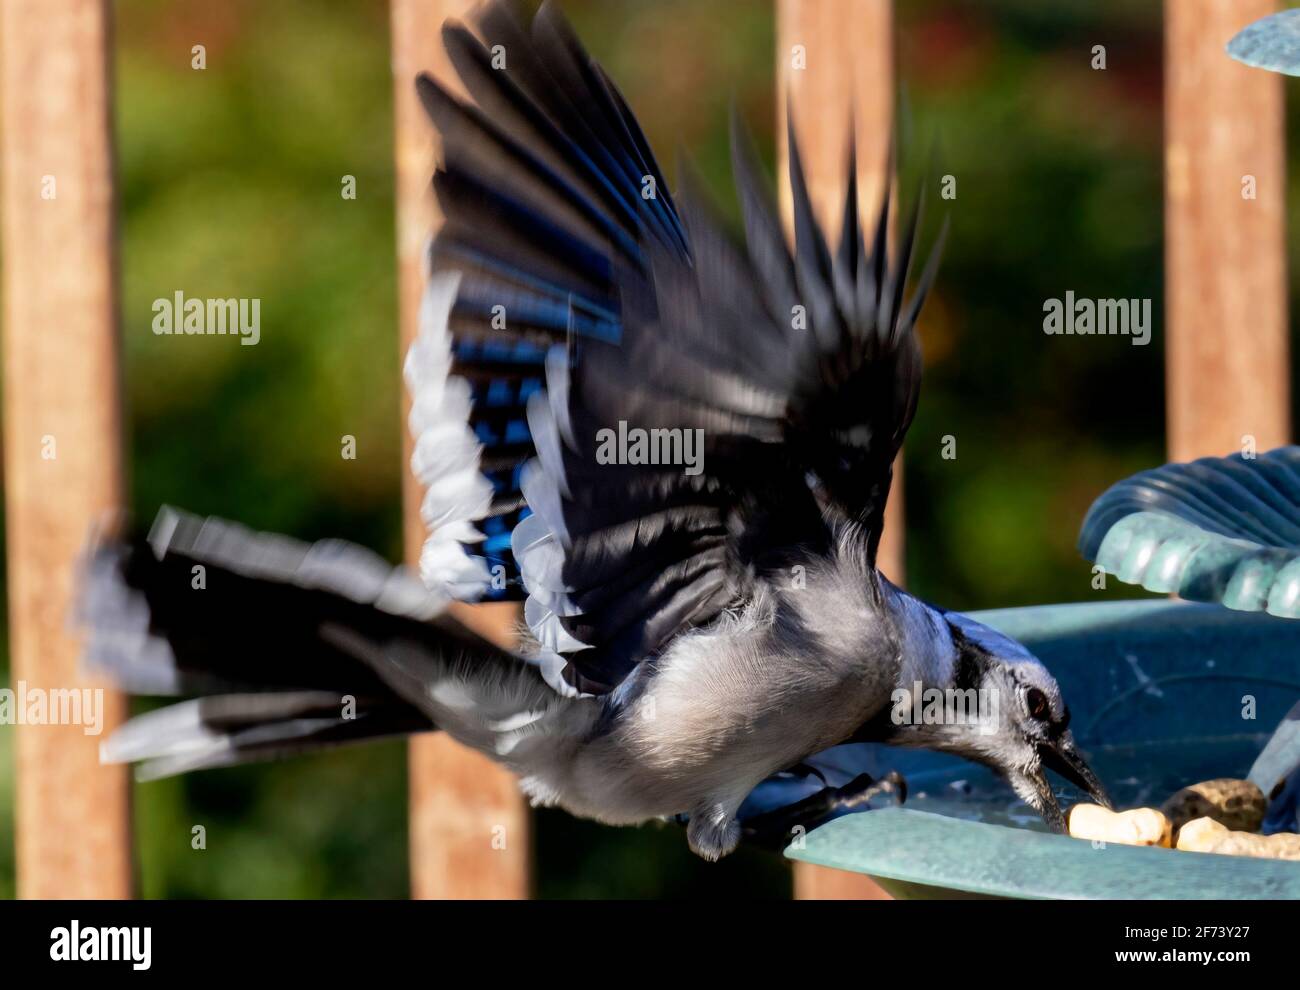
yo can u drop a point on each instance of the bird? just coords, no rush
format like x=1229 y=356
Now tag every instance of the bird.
x=673 y=445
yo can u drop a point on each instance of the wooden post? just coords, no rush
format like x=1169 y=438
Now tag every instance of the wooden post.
x=463 y=806
x=1227 y=370
x=835 y=62
x=62 y=430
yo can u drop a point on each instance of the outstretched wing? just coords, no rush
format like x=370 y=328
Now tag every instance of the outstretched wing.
x=657 y=417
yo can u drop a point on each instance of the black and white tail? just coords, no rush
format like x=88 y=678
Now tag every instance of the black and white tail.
x=288 y=647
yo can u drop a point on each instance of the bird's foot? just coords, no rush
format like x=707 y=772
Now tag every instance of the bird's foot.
x=713 y=832
x=777 y=829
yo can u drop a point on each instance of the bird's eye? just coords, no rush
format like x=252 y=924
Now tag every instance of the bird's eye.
x=1037 y=702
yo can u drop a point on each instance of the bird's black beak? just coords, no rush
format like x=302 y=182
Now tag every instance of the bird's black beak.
x=1063 y=757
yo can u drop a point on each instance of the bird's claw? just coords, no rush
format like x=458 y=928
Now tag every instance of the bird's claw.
x=774 y=829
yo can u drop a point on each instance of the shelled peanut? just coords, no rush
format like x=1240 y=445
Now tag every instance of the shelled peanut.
x=1207 y=835
x=1139 y=827
x=1216 y=816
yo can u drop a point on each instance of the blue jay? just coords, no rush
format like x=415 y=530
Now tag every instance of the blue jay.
x=675 y=450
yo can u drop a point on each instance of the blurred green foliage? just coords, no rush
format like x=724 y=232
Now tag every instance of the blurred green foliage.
x=230 y=185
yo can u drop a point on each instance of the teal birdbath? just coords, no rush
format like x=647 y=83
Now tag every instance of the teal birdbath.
x=1162 y=693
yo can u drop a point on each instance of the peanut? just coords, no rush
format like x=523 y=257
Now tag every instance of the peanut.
x=1237 y=804
x=1139 y=827
x=1207 y=835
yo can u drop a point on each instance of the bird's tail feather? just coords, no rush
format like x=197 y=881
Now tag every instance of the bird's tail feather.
x=227 y=729
x=289 y=647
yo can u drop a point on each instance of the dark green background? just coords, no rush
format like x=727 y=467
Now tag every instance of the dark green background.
x=230 y=182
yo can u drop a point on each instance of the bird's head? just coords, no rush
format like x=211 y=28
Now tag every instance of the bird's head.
x=1000 y=708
